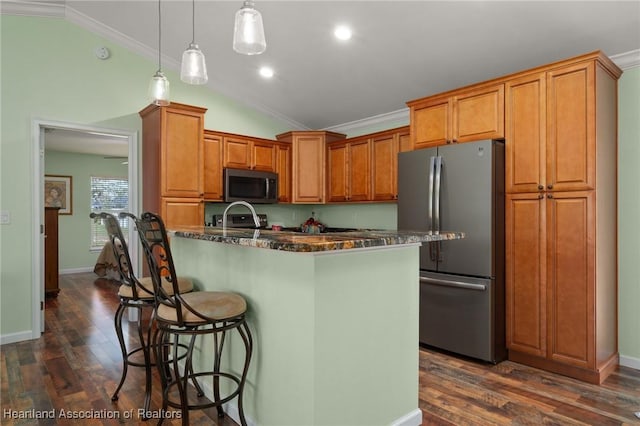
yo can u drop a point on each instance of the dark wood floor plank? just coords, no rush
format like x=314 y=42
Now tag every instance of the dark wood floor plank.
x=448 y=408
x=65 y=380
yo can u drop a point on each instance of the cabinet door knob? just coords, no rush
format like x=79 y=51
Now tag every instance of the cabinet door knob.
x=549 y=195
x=550 y=186
x=540 y=196
x=540 y=187
x=448 y=141
x=455 y=141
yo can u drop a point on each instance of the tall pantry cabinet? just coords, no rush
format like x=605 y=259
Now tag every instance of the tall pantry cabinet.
x=561 y=208
x=173 y=163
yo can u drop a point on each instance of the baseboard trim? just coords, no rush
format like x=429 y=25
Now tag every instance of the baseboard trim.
x=595 y=377
x=75 y=270
x=413 y=418
x=21 y=336
x=631 y=362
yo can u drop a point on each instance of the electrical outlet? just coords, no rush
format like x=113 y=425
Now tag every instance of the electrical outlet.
x=5 y=217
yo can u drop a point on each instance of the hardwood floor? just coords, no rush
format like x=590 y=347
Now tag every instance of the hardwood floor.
x=76 y=365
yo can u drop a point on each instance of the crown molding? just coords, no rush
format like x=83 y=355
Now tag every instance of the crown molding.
x=389 y=118
x=33 y=8
x=627 y=60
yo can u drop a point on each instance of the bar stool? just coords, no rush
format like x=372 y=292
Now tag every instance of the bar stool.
x=191 y=314
x=135 y=294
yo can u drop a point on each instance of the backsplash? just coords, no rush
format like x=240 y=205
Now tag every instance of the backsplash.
x=366 y=216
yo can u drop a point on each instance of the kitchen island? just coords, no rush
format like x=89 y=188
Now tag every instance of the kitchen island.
x=334 y=319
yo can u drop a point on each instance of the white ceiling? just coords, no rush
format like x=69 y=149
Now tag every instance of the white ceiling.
x=401 y=50
x=113 y=147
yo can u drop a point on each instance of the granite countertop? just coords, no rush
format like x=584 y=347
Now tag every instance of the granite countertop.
x=304 y=243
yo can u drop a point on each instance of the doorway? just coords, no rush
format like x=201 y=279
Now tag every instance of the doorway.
x=93 y=141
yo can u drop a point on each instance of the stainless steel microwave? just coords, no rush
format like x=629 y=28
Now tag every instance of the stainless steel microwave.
x=250 y=185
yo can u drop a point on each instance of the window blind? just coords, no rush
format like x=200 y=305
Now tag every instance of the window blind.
x=109 y=195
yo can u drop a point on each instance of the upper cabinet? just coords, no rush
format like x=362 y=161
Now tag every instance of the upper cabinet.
x=526 y=133
x=571 y=123
x=349 y=170
x=308 y=164
x=404 y=140
x=364 y=168
x=283 y=169
x=212 y=166
x=172 y=145
x=551 y=122
x=173 y=161
x=249 y=153
x=463 y=116
x=384 y=162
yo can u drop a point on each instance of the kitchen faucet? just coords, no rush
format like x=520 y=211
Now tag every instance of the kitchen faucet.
x=244 y=203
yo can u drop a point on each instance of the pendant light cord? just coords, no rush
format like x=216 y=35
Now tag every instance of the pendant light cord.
x=159 y=36
x=193 y=21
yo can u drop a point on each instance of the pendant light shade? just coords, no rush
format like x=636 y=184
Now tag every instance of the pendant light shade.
x=248 y=32
x=159 y=89
x=159 y=85
x=194 y=67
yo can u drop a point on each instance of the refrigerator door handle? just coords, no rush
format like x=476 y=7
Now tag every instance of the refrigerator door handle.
x=436 y=194
x=455 y=284
x=432 y=166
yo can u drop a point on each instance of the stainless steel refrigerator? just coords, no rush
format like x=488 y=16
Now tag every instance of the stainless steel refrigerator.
x=459 y=188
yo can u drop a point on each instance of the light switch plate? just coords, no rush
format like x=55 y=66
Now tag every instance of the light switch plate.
x=5 y=217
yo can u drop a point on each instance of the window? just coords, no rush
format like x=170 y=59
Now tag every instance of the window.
x=109 y=195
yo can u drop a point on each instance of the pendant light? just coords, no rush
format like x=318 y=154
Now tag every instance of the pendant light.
x=248 y=32
x=159 y=85
x=194 y=68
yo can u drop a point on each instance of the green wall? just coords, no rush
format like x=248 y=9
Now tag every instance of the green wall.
x=629 y=213
x=74 y=230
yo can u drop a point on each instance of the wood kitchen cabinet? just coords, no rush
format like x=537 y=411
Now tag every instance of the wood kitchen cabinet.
x=404 y=139
x=182 y=211
x=551 y=130
x=51 y=255
x=364 y=168
x=571 y=124
x=561 y=230
x=552 y=298
x=308 y=164
x=349 y=170
x=526 y=297
x=212 y=166
x=459 y=116
x=526 y=145
x=249 y=153
x=384 y=162
x=173 y=162
x=283 y=169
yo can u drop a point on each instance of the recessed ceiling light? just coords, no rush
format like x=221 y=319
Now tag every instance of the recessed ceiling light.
x=342 y=32
x=266 y=72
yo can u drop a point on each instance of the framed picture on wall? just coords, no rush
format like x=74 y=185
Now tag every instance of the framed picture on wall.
x=58 y=193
